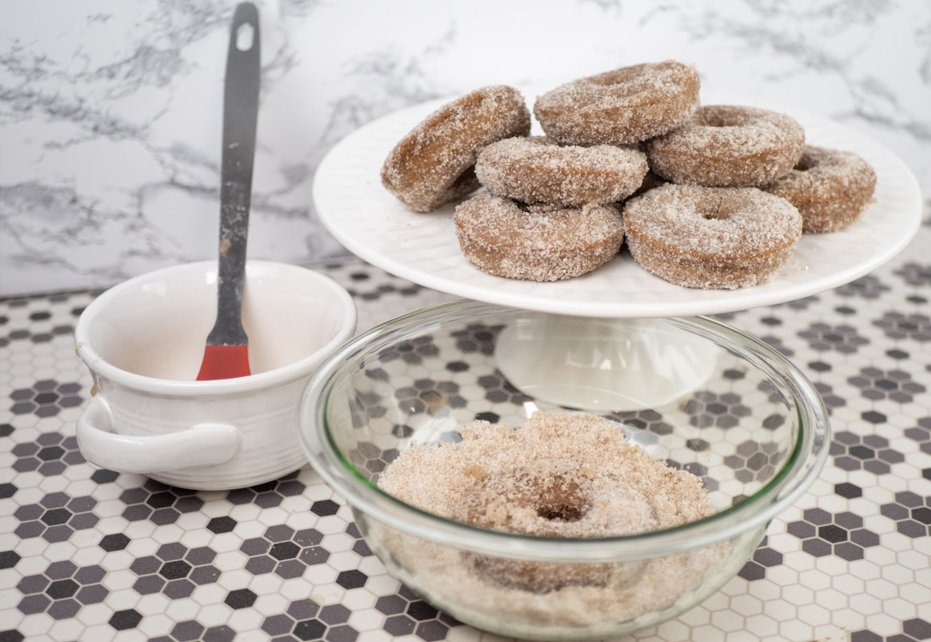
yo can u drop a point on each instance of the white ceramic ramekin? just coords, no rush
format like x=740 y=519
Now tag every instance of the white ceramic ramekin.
x=143 y=341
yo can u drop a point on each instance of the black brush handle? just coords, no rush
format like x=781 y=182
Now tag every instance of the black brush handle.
x=240 y=112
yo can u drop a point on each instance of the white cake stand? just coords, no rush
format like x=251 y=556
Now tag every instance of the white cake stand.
x=554 y=358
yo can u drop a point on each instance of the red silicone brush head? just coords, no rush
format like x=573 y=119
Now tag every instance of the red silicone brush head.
x=224 y=362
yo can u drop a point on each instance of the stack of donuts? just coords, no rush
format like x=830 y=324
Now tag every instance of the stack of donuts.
x=706 y=196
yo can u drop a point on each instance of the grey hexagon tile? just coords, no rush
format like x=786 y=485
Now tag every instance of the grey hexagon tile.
x=429 y=396
x=413 y=351
x=895 y=384
x=916 y=274
x=158 y=503
x=56 y=516
x=852 y=451
x=61 y=590
x=911 y=513
x=46 y=398
x=50 y=454
x=174 y=570
x=866 y=287
x=842 y=338
x=912 y=326
x=284 y=551
x=269 y=494
x=477 y=337
x=721 y=410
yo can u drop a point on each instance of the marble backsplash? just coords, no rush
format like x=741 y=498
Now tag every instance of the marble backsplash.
x=110 y=110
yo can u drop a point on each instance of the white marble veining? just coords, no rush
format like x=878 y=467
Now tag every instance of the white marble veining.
x=110 y=110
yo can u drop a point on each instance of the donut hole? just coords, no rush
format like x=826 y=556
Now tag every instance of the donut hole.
x=717 y=212
x=805 y=163
x=560 y=499
x=723 y=118
x=561 y=512
x=622 y=83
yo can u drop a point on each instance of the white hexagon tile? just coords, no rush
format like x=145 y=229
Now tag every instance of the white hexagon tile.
x=94 y=555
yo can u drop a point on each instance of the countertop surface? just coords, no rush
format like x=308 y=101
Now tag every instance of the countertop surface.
x=94 y=555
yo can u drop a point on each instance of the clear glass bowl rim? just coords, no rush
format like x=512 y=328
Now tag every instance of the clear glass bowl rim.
x=797 y=473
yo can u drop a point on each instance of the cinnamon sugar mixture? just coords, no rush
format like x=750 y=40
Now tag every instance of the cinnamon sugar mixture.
x=559 y=475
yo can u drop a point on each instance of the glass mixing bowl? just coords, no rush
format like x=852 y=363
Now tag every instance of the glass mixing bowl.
x=691 y=391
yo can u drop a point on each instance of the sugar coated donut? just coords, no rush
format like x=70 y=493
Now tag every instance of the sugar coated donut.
x=619 y=107
x=538 y=170
x=707 y=237
x=560 y=475
x=432 y=165
x=830 y=188
x=558 y=498
x=536 y=243
x=728 y=146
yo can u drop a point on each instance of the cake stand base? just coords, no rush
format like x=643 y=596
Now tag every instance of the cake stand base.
x=604 y=366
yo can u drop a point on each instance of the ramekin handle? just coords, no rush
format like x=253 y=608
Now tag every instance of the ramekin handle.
x=200 y=445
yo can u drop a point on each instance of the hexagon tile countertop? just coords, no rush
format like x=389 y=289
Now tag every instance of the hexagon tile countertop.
x=94 y=555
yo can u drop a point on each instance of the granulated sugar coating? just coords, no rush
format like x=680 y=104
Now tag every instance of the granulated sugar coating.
x=830 y=188
x=537 y=243
x=558 y=475
x=620 y=107
x=728 y=146
x=432 y=165
x=537 y=170
x=711 y=237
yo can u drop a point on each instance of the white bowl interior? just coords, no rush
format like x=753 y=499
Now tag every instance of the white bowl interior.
x=157 y=325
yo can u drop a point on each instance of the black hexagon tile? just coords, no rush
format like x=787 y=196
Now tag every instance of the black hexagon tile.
x=866 y=287
x=56 y=517
x=824 y=534
x=61 y=590
x=49 y=454
x=175 y=570
x=284 y=551
x=268 y=494
x=724 y=410
x=159 y=503
x=895 y=384
x=307 y=620
x=45 y=398
x=842 y=338
x=869 y=452
x=911 y=514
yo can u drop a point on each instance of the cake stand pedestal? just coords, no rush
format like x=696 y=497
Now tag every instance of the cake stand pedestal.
x=609 y=365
